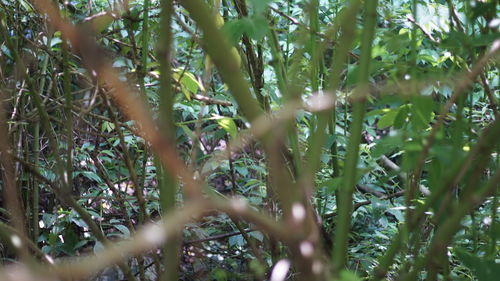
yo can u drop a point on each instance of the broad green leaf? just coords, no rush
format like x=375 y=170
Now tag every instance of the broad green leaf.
x=99 y=22
x=259 y=6
x=346 y=275
x=188 y=82
x=421 y=112
x=91 y=175
x=237 y=240
x=257 y=235
x=188 y=132
x=387 y=119
x=228 y=125
x=402 y=116
x=331 y=185
x=387 y=145
x=255 y=27
x=123 y=229
x=234 y=29
x=259 y=27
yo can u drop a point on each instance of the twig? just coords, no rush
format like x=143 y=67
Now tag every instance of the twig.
x=218 y=237
x=426 y=33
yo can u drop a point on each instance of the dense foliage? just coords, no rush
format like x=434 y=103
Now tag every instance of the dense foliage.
x=249 y=140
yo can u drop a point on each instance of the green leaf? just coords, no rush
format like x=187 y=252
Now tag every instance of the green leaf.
x=100 y=22
x=259 y=6
x=189 y=83
x=387 y=119
x=402 y=116
x=237 y=240
x=228 y=125
x=332 y=184
x=91 y=175
x=257 y=235
x=387 y=145
x=242 y=170
x=188 y=132
x=484 y=40
x=123 y=229
x=234 y=29
x=421 y=112
x=255 y=27
x=259 y=27
x=346 y=275
x=483 y=269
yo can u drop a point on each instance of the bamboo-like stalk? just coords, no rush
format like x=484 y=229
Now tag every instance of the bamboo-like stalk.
x=36 y=151
x=223 y=57
x=36 y=188
x=142 y=76
x=167 y=182
x=68 y=97
x=344 y=202
x=315 y=76
x=347 y=36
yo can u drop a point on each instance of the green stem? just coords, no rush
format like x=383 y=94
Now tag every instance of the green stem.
x=344 y=202
x=224 y=57
x=166 y=181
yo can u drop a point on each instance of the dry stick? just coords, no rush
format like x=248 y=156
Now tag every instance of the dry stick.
x=454 y=15
x=218 y=237
x=209 y=100
x=402 y=175
x=426 y=33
